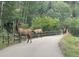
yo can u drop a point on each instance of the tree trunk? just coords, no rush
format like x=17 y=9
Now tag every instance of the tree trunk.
x=29 y=19
x=73 y=6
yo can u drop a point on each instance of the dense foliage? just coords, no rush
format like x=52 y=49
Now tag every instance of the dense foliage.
x=70 y=46
x=46 y=23
x=59 y=10
x=48 y=15
x=73 y=25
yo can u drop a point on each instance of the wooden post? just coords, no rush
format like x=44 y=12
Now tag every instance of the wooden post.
x=8 y=38
x=14 y=38
x=3 y=39
x=19 y=37
x=14 y=31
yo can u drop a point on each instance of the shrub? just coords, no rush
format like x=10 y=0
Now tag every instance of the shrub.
x=24 y=26
x=72 y=25
x=45 y=22
x=74 y=28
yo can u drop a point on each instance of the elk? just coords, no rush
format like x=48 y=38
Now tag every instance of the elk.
x=25 y=32
x=38 y=31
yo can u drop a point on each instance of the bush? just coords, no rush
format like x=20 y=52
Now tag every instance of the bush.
x=46 y=23
x=24 y=26
x=72 y=25
x=74 y=28
x=70 y=46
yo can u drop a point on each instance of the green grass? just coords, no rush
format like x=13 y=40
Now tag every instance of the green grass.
x=70 y=46
x=11 y=40
x=5 y=44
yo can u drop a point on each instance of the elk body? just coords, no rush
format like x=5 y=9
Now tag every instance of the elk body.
x=38 y=31
x=26 y=32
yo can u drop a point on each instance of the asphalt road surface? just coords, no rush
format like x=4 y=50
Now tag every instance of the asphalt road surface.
x=40 y=47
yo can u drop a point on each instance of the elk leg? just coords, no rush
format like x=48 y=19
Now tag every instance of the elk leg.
x=25 y=37
x=30 y=41
x=28 y=37
x=27 y=40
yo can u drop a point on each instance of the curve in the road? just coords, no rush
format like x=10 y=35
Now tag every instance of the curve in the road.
x=40 y=47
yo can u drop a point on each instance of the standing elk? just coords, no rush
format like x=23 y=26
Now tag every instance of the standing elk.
x=25 y=32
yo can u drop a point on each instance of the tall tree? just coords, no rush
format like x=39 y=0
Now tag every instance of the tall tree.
x=8 y=11
x=59 y=10
x=73 y=8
